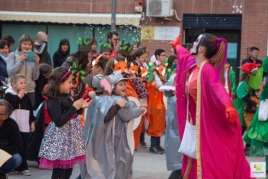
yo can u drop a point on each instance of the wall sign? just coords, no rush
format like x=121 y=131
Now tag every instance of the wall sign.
x=166 y=33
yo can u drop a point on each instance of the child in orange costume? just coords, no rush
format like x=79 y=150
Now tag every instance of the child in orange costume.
x=156 y=106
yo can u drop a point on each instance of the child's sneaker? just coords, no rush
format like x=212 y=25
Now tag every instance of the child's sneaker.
x=143 y=145
x=25 y=173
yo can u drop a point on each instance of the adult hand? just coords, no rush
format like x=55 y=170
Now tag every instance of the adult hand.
x=86 y=103
x=231 y=112
x=116 y=46
x=36 y=58
x=23 y=57
x=44 y=38
x=121 y=103
x=78 y=104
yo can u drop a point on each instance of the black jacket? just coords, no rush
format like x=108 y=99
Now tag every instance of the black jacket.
x=23 y=103
x=3 y=70
x=40 y=84
x=10 y=139
x=248 y=60
x=59 y=58
x=41 y=51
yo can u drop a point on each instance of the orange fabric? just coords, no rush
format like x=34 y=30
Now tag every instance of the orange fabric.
x=156 y=111
x=85 y=96
x=82 y=119
x=193 y=83
x=249 y=116
x=137 y=132
x=143 y=128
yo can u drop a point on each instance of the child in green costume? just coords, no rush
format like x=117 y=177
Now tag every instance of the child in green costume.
x=257 y=134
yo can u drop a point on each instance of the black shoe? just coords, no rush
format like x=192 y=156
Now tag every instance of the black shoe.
x=160 y=149
x=155 y=150
x=143 y=145
x=3 y=176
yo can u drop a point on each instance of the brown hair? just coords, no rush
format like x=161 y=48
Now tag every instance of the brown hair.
x=45 y=69
x=3 y=43
x=28 y=38
x=138 y=53
x=9 y=39
x=54 y=81
x=216 y=51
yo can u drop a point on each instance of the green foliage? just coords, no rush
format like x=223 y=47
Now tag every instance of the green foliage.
x=79 y=41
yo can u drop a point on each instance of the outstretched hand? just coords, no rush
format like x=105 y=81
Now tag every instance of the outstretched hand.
x=86 y=103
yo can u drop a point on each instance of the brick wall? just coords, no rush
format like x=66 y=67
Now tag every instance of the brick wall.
x=254 y=14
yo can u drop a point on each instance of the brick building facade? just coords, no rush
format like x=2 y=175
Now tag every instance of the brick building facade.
x=254 y=16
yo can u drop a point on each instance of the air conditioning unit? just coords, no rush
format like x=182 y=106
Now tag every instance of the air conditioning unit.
x=159 y=8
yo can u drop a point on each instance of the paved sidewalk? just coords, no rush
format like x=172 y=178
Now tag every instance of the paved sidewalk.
x=145 y=166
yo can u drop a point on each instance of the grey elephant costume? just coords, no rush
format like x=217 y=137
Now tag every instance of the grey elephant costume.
x=99 y=141
x=124 y=139
x=172 y=139
x=99 y=132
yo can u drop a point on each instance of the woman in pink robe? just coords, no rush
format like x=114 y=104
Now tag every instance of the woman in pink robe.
x=219 y=146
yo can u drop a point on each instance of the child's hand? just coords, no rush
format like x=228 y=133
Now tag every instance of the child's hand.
x=78 y=104
x=86 y=103
x=121 y=103
x=32 y=128
x=132 y=75
x=143 y=108
x=22 y=93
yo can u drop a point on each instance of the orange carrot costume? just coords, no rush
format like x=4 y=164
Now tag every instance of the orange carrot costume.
x=156 y=111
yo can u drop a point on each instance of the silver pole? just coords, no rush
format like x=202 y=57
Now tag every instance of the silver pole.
x=113 y=18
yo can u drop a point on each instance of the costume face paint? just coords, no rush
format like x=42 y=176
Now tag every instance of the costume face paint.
x=120 y=67
x=196 y=45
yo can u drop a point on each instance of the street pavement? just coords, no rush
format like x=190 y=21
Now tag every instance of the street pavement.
x=145 y=166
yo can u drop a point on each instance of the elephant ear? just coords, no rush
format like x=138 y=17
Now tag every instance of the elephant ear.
x=106 y=85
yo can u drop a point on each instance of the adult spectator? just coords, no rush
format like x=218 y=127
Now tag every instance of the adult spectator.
x=41 y=47
x=10 y=140
x=93 y=46
x=253 y=56
x=61 y=54
x=16 y=64
x=10 y=41
x=3 y=66
x=113 y=39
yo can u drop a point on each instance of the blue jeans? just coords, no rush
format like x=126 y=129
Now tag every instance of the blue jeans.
x=155 y=141
x=11 y=164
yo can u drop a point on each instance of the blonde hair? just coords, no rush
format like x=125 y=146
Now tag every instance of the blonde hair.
x=15 y=78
